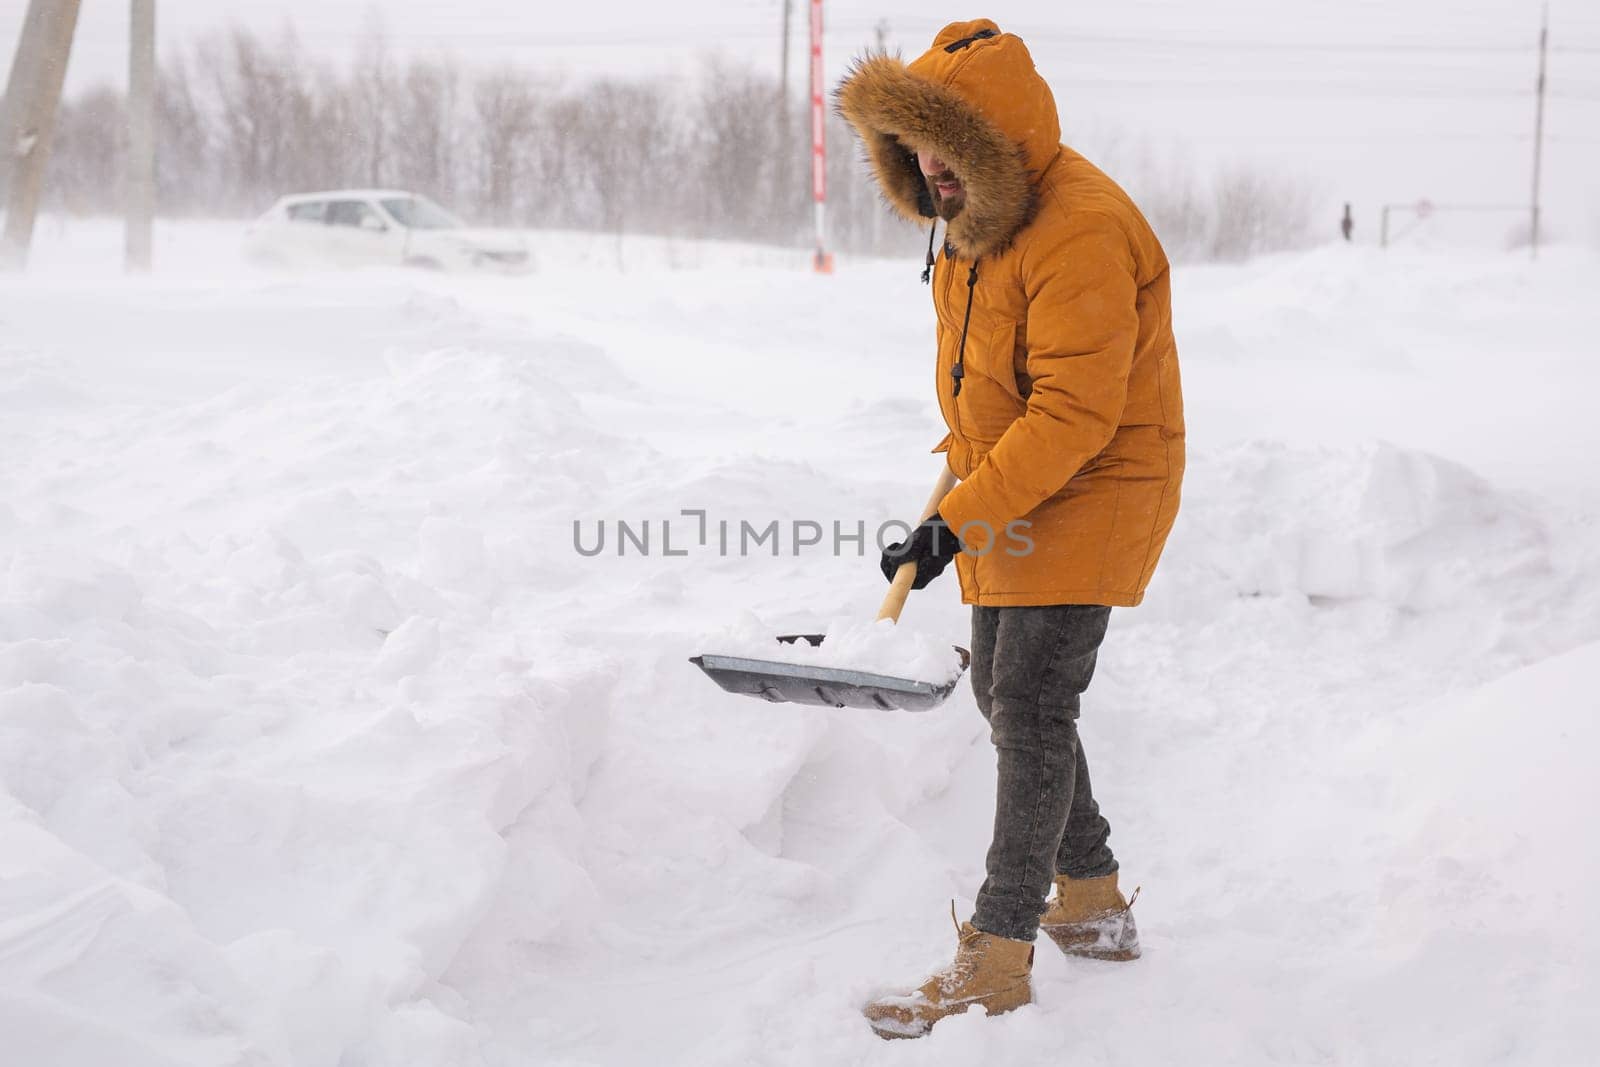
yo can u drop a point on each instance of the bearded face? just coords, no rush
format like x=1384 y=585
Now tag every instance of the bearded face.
x=949 y=195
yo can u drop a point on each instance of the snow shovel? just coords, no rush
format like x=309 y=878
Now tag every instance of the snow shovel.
x=811 y=683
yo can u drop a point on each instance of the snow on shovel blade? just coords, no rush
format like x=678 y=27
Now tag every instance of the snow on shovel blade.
x=832 y=687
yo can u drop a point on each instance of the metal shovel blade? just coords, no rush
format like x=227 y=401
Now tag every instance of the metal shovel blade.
x=831 y=687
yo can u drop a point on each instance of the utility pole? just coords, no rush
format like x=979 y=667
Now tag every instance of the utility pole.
x=787 y=189
x=783 y=59
x=24 y=73
x=1538 y=129
x=882 y=30
x=32 y=97
x=140 y=194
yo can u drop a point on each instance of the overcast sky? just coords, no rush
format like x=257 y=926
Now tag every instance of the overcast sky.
x=1376 y=99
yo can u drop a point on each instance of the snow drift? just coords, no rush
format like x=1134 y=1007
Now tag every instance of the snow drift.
x=320 y=744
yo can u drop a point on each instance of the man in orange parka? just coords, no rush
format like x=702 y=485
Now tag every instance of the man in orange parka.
x=1058 y=380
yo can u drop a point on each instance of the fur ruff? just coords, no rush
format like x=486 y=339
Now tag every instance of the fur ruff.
x=897 y=114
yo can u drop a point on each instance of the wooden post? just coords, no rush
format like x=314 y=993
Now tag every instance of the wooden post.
x=140 y=195
x=33 y=97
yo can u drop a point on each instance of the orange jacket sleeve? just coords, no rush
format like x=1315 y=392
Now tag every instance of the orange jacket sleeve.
x=1082 y=327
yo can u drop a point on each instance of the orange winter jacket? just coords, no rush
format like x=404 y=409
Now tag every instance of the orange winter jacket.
x=1066 y=424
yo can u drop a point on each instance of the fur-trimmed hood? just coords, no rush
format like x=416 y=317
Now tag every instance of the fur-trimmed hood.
x=973 y=99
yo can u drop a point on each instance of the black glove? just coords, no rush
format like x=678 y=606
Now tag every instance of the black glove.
x=932 y=546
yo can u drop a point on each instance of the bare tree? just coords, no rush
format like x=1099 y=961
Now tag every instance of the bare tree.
x=623 y=135
x=90 y=146
x=249 y=119
x=1255 y=212
x=186 y=178
x=427 y=124
x=566 y=195
x=372 y=89
x=1173 y=198
x=262 y=104
x=503 y=105
x=736 y=146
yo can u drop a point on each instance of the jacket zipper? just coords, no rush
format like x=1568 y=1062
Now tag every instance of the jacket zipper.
x=942 y=371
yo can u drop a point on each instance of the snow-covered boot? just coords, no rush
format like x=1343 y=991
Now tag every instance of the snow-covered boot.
x=989 y=971
x=1089 y=917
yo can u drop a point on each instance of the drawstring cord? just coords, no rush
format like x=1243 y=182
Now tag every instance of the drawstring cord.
x=959 y=370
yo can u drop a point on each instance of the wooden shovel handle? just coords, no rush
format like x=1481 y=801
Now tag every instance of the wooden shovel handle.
x=895 y=601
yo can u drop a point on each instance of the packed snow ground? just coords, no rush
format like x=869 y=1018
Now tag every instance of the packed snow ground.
x=322 y=744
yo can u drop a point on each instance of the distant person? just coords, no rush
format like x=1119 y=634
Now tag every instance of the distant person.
x=1057 y=377
x=1347 y=225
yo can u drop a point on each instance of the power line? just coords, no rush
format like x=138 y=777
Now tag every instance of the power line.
x=1362 y=89
x=1281 y=46
x=1377 y=138
x=1224 y=44
x=674 y=35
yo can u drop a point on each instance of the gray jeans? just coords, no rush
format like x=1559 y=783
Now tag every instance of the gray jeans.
x=1029 y=667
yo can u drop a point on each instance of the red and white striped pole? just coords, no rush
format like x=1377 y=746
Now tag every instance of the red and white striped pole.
x=822 y=261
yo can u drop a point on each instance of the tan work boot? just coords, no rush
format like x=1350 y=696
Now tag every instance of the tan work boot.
x=989 y=970
x=1089 y=917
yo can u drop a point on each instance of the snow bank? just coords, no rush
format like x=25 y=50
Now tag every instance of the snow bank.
x=1403 y=528
x=258 y=725
x=320 y=744
x=1491 y=795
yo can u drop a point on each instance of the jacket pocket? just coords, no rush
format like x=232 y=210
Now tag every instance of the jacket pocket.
x=994 y=358
x=989 y=401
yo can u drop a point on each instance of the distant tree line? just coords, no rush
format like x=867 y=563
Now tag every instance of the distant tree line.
x=242 y=120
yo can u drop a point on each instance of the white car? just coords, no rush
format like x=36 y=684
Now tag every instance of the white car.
x=376 y=227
